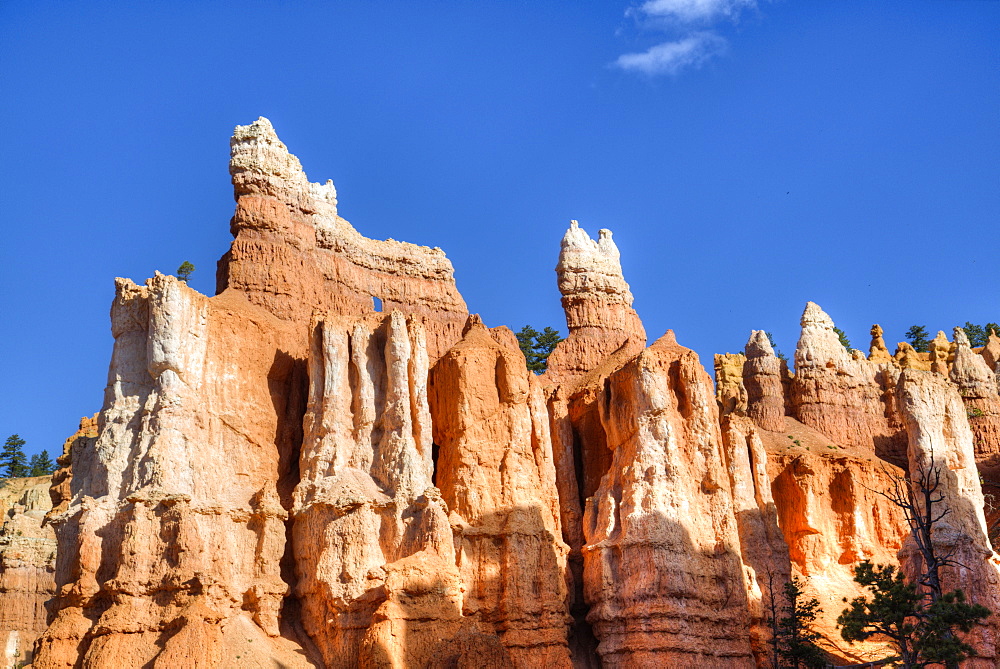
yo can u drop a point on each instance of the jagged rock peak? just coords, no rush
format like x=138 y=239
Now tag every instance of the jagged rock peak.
x=256 y=149
x=668 y=338
x=597 y=302
x=813 y=315
x=961 y=339
x=908 y=357
x=758 y=345
x=941 y=352
x=969 y=371
x=762 y=378
x=600 y=261
x=577 y=241
x=991 y=354
x=878 y=351
x=473 y=322
x=819 y=345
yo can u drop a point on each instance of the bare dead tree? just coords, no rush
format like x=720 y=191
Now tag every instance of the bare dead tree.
x=924 y=617
x=991 y=494
x=772 y=618
x=923 y=507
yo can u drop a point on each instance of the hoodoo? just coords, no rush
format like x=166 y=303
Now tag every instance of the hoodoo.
x=331 y=463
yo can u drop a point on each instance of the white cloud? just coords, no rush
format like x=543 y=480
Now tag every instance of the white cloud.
x=690 y=11
x=672 y=57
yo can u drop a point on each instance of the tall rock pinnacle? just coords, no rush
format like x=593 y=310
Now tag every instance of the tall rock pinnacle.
x=848 y=400
x=597 y=302
x=762 y=374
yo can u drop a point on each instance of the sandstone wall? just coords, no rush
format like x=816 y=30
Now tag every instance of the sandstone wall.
x=976 y=384
x=172 y=538
x=174 y=525
x=331 y=464
x=293 y=253
x=663 y=573
x=847 y=399
x=373 y=549
x=497 y=475
x=941 y=449
x=27 y=565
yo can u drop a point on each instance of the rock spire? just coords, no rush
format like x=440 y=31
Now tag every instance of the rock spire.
x=597 y=302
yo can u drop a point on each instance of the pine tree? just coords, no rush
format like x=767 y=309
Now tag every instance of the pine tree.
x=184 y=271
x=41 y=464
x=537 y=346
x=12 y=457
x=919 y=618
x=777 y=353
x=526 y=340
x=918 y=338
x=844 y=341
x=795 y=639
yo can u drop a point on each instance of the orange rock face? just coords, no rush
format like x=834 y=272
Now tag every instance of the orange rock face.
x=940 y=440
x=174 y=530
x=331 y=464
x=292 y=253
x=663 y=573
x=496 y=473
x=832 y=518
x=848 y=400
x=808 y=507
x=763 y=374
x=373 y=548
x=27 y=565
x=729 y=389
x=172 y=538
x=976 y=385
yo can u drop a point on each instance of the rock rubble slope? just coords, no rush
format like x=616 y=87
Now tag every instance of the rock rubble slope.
x=331 y=463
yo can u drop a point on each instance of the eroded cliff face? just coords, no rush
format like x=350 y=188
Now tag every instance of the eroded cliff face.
x=373 y=549
x=27 y=566
x=942 y=458
x=847 y=399
x=496 y=473
x=331 y=464
x=825 y=478
x=976 y=384
x=663 y=573
x=173 y=533
x=832 y=517
x=293 y=253
x=174 y=530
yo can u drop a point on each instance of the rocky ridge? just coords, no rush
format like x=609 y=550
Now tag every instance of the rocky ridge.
x=330 y=463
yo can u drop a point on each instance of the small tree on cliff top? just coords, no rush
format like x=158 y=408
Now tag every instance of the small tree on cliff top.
x=537 y=346
x=41 y=464
x=918 y=617
x=12 y=457
x=778 y=354
x=918 y=338
x=844 y=341
x=184 y=271
x=979 y=335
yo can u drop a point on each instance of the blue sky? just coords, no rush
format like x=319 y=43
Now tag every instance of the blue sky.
x=749 y=156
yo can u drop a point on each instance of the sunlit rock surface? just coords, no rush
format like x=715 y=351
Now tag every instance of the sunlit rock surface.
x=331 y=464
x=941 y=452
x=27 y=565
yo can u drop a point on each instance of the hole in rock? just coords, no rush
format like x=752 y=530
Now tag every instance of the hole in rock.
x=435 y=451
x=377 y=303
